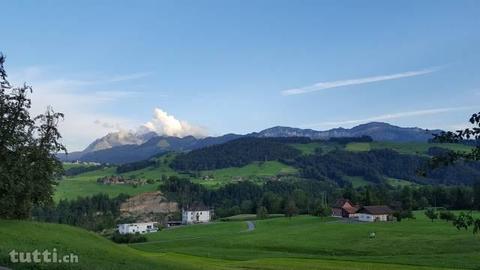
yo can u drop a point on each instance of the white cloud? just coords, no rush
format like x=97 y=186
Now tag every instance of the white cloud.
x=85 y=119
x=166 y=124
x=391 y=116
x=333 y=84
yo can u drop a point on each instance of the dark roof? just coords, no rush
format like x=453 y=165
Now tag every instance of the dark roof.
x=376 y=210
x=196 y=207
x=340 y=202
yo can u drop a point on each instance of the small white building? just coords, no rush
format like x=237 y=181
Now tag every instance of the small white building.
x=375 y=213
x=196 y=214
x=145 y=227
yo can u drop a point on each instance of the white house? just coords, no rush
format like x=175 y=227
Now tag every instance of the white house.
x=374 y=213
x=145 y=227
x=196 y=214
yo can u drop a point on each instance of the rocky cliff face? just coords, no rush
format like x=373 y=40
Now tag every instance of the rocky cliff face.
x=149 y=206
x=117 y=139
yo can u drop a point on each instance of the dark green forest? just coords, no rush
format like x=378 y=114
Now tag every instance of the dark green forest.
x=235 y=153
x=307 y=196
x=375 y=165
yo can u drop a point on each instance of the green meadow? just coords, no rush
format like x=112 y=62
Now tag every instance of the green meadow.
x=411 y=148
x=85 y=184
x=309 y=148
x=304 y=239
x=302 y=242
x=394 y=182
x=255 y=172
x=357 y=181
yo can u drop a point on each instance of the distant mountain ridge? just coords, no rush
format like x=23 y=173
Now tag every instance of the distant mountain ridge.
x=117 y=139
x=121 y=148
x=378 y=131
x=155 y=145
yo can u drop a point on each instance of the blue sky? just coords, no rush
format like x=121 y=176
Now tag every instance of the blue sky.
x=214 y=67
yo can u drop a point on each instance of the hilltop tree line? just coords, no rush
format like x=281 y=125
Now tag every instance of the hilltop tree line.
x=374 y=165
x=134 y=166
x=290 y=198
x=241 y=152
x=417 y=197
x=235 y=153
x=94 y=213
x=82 y=169
x=306 y=196
x=247 y=198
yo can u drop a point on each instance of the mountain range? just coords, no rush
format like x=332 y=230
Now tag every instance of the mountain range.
x=124 y=147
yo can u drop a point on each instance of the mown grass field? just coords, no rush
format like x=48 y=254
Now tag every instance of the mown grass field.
x=357 y=181
x=245 y=217
x=255 y=172
x=302 y=242
x=394 y=182
x=85 y=184
x=303 y=239
x=309 y=148
x=93 y=251
x=411 y=148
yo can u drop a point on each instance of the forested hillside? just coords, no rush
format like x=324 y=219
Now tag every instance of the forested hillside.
x=235 y=153
x=375 y=165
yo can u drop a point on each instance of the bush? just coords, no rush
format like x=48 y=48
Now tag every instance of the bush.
x=399 y=215
x=128 y=238
x=262 y=212
x=431 y=214
x=447 y=215
x=150 y=181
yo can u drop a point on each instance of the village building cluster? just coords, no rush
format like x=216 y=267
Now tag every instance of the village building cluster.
x=344 y=208
x=133 y=228
x=197 y=213
x=120 y=180
x=194 y=214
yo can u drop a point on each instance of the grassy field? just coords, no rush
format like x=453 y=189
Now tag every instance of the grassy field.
x=412 y=148
x=93 y=251
x=303 y=239
x=309 y=148
x=357 y=181
x=85 y=184
x=155 y=172
x=256 y=172
x=399 y=182
x=245 y=217
x=298 y=243
x=69 y=165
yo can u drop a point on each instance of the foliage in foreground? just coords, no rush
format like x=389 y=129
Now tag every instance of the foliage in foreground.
x=28 y=145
